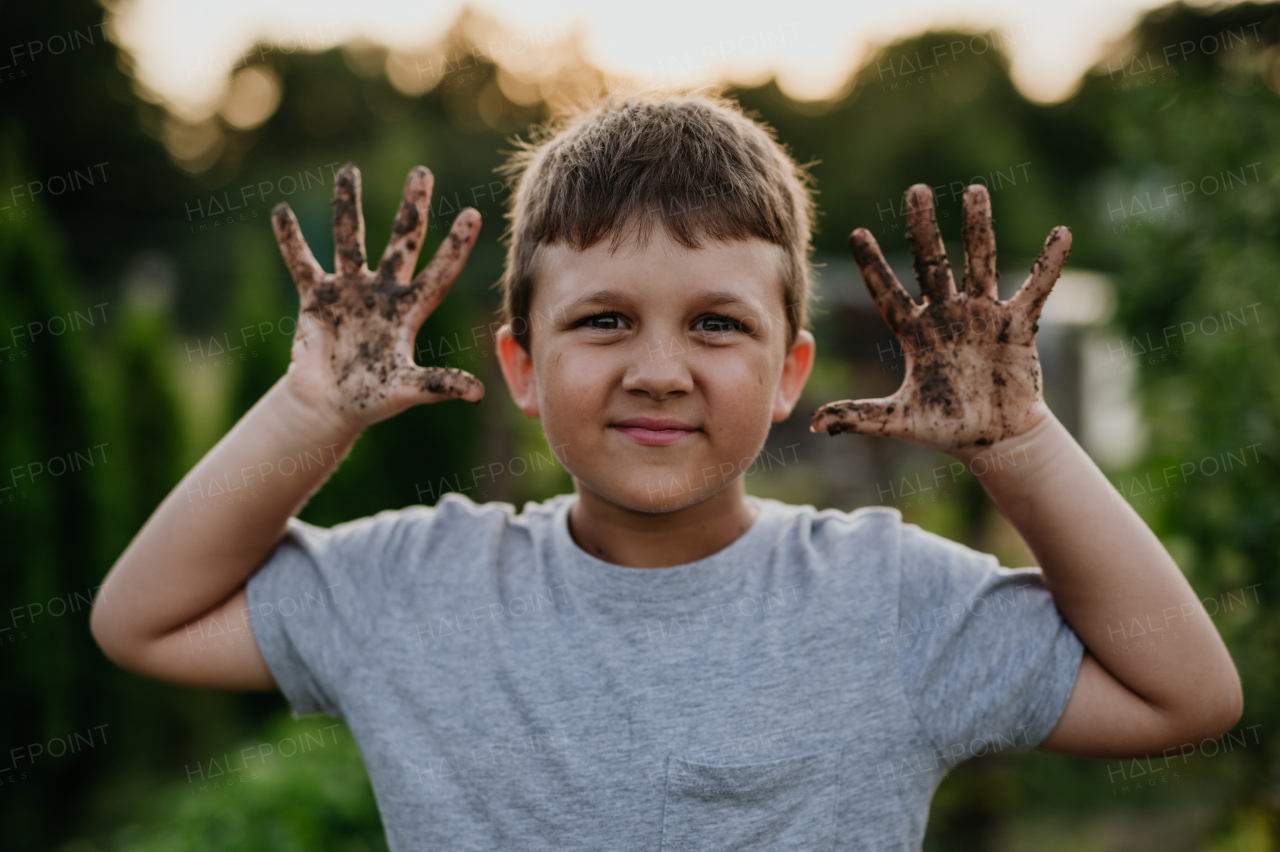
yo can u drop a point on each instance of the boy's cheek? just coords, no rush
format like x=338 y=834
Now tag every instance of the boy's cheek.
x=571 y=422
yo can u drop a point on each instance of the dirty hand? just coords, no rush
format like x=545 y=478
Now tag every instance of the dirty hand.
x=972 y=374
x=353 y=350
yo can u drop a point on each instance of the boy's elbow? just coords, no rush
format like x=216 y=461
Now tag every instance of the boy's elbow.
x=100 y=629
x=1218 y=711
x=1230 y=707
x=112 y=640
x=128 y=655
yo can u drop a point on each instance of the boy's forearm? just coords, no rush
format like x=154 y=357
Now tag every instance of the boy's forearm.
x=1106 y=568
x=220 y=522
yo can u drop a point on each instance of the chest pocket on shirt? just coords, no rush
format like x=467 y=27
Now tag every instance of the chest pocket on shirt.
x=782 y=804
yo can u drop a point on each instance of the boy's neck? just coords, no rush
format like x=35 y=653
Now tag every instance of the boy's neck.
x=613 y=533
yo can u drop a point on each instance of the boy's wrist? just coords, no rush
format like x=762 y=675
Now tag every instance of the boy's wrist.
x=1015 y=464
x=305 y=421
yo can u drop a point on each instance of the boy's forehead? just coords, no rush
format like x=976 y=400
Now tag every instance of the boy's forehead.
x=747 y=270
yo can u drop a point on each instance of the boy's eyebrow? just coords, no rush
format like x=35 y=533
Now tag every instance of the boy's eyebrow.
x=714 y=297
x=723 y=297
x=596 y=298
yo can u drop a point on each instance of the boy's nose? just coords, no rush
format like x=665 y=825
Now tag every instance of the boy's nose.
x=659 y=372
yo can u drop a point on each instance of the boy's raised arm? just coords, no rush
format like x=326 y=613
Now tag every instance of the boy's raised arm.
x=352 y=366
x=973 y=389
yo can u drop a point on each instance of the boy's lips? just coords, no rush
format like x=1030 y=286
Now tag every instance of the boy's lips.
x=654 y=431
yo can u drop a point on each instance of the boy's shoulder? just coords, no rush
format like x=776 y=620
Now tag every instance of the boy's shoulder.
x=837 y=519
x=452 y=513
x=878 y=539
x=833 y=525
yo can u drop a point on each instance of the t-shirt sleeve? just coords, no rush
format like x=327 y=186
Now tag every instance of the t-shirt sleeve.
x=988 y=661
x=312 y=602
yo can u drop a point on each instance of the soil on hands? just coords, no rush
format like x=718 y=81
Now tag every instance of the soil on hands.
x=972 y=373
x=364 y=321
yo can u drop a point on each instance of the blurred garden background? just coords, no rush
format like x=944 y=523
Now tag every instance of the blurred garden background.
x=144 y=307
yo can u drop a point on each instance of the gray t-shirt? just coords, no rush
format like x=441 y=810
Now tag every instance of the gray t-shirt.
x=805 y=688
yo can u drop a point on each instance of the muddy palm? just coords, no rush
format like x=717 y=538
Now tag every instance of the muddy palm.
x=972 y=373
x=353 y=350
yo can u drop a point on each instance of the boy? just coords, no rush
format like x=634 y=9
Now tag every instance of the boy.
x=639 y=665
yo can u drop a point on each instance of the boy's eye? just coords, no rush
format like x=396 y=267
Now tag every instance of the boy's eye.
x=718 y=325
x=604 y=322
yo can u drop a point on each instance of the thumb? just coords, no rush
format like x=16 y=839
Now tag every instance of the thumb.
x=884 y=416
x=418 y=385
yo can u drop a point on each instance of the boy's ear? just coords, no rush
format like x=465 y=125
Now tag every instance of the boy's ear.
x=795 y=372
x=517 y=369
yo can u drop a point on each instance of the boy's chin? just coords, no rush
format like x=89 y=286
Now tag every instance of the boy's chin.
x=655 y=496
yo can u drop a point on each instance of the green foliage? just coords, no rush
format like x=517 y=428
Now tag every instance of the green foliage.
x=308 y=791
x=1211 y=272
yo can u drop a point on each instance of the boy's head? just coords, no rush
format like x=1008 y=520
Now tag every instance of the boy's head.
x=655 y=295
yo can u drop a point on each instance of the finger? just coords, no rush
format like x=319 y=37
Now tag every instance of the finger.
x=303 y=268
x=1029 y=301
x=409 y=229
x=893 y=301
x=435 y=279
x=980 y=278
x=885 y=416
x=348 y=222
x=433 y=384
x=928 y=255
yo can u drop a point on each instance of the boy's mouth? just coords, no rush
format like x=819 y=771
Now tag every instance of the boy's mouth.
x=654 y=431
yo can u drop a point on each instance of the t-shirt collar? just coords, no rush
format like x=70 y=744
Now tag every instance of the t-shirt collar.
x=654 y=584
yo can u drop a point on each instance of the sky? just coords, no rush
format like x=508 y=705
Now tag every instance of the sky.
x=181 y=47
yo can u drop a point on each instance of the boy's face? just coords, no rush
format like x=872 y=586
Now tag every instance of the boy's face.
x=657 y=370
